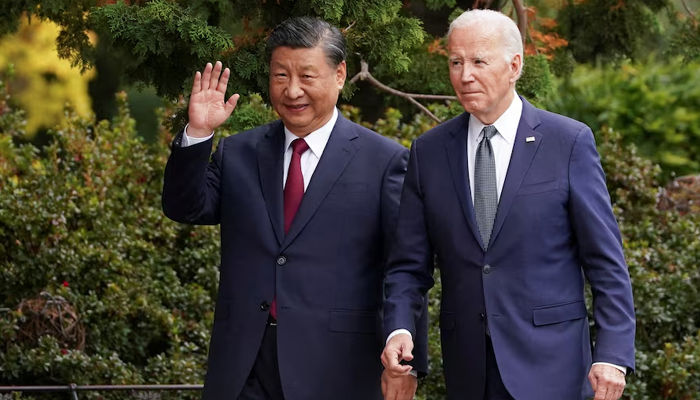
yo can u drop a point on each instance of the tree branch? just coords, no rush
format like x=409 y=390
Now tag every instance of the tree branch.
x=365 y=75
x=522 y=17
x=692 y=14
x=349 y=27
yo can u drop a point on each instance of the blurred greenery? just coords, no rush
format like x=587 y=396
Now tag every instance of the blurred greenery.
x=654 y=105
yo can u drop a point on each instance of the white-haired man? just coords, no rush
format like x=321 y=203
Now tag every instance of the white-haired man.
x=512 y=202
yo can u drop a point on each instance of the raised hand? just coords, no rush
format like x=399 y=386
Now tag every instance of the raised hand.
x=208 y=107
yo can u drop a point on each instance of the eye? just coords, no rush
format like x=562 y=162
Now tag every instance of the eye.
x=455 y=63
x=478 y=62
x=281 y=75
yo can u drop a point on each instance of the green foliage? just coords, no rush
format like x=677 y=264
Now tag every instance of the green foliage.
x=662 y=249
x=537 y=82
x=685 y=40
x=609 y=30
x=81 y=219
x=161 y=42
x=73 y=42
x=656 y=106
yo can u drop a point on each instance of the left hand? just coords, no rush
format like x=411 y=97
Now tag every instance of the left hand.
x=608 y=382
x=399 y=388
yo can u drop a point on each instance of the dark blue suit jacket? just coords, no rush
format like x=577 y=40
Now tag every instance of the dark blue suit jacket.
x=328 y=271
x=554 y=225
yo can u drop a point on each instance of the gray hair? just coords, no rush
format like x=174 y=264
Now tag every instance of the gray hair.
x=309 y=32
x=493 y=21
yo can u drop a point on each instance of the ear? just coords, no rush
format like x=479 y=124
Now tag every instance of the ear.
x=341 y=74
x=516 y=66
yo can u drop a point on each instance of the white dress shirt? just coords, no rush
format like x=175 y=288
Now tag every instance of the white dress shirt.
x=502 y=144
x=317 y=141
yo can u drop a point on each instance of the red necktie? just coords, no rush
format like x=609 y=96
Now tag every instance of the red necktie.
x=293 y=193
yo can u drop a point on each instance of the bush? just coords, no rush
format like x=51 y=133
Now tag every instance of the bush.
x=81 y=220
x=655 y=106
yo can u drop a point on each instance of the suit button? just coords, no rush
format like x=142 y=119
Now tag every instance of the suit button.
x=264 y=306
x=281 y=260
x=482 y=316
x=487 y=269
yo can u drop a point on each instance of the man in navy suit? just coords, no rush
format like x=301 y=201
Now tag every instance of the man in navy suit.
x=511 y=201
x=307 y=207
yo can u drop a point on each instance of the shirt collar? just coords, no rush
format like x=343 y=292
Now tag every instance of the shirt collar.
x=317 y=140
x=506 y=124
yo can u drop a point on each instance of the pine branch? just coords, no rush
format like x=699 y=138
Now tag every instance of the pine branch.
x=365 y=75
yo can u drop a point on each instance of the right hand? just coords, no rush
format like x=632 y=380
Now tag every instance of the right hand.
x=397 y=349
x=207 y=109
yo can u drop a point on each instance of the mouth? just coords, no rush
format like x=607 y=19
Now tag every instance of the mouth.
x=296 y=107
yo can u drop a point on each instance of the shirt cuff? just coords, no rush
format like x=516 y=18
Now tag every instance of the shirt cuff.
x=622 y=369
x=398 y=331
x=191 y=141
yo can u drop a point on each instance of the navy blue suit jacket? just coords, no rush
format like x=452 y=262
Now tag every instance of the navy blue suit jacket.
x=328 y=270
x=554 y=225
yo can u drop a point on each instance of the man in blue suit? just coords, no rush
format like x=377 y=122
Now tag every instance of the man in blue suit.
x=511 y=201
x=307 y=206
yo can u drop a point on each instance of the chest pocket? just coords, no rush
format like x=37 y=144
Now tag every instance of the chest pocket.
x=539 y=187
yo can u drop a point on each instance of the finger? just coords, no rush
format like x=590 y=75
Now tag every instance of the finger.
x=601 y=393
x=618 y=393
x=215 y=74
x=206 y=76
x=406 y=351
x=384 y=388
x=594 y=381
x=390 y=353
x=197 y=84
x=223 y=81
x=398 y=370
x=231 y=103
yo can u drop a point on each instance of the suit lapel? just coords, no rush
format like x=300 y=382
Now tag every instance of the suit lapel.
x=270 y=159
x=523 y=153
x=340 y=149
x=456 y=149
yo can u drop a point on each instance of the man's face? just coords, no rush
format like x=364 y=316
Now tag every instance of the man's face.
x=481 y=77
x=304 y=88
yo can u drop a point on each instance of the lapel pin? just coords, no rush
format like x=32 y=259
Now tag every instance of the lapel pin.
x=529 y=139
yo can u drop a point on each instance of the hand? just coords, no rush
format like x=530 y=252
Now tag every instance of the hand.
x=207 y=109
x=397 y=349
x=608 y=382
x=400 y=388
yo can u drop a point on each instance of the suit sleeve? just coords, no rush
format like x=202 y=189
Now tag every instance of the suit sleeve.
x=409 y=273
x=601 y=255
x=393 y=184
x=191 y=183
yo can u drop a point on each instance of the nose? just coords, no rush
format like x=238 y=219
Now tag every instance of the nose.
x=294 y=90
x=467 y=74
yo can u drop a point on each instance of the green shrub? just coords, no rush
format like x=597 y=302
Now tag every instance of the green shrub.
x=655 y=106
x=81 y=219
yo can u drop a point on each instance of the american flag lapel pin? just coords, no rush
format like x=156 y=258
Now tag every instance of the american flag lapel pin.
x=529 y=139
